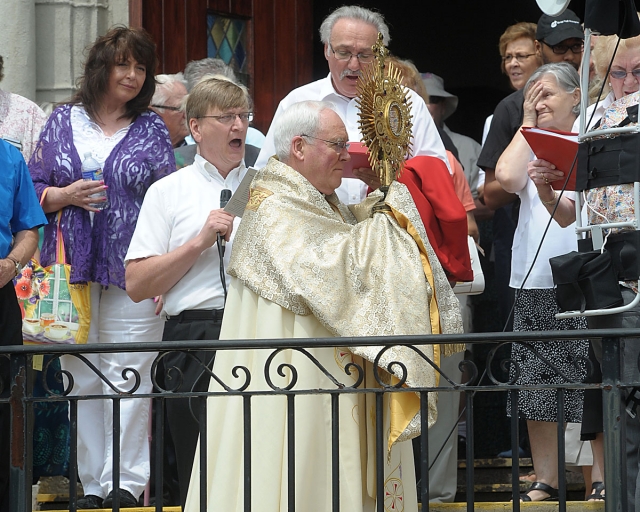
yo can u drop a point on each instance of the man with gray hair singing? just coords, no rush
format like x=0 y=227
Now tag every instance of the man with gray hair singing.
x=348 y=34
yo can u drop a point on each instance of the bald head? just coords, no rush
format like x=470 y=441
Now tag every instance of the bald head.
x=309 y=137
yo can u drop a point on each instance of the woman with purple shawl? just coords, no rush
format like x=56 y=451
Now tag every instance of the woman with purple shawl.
x=109 y=118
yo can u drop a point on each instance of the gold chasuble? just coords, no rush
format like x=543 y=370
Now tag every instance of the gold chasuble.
x=305 y=266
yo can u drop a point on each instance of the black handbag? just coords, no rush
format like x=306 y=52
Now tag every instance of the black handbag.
x=585 y=280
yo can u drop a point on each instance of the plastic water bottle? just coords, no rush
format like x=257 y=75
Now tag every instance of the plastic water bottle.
x=92 y=171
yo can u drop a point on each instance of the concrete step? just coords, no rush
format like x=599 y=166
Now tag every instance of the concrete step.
x=133 y=509
x=492 y=480
x=572 y=506
x=546 y=506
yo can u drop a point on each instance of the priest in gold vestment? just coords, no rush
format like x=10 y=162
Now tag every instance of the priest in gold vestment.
x=306 y=266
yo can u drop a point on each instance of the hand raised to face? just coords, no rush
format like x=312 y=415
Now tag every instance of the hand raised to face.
x=531 y=98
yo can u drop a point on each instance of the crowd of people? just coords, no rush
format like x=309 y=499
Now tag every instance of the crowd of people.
x=309 y=259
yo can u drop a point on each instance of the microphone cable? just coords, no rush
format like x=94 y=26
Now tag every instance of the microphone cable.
x=225 y=195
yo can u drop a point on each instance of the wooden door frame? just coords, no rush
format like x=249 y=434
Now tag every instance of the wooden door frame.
x=280 y=37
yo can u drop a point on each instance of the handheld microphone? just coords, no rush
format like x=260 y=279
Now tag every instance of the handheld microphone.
x=225 y=195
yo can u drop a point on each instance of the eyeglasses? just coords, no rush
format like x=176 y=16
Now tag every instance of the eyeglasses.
x=228 y=119
x=340 y=145
x=167 y=107
x=619 y=74
x=363 y=58
x=561 y=49
x=520 y=57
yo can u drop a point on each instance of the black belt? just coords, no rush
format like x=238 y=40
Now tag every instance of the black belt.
x=199 y=314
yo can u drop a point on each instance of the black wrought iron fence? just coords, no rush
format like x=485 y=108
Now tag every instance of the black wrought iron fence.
x=616 y=405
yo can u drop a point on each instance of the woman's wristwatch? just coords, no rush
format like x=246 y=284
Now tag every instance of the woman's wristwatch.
x=19 y=266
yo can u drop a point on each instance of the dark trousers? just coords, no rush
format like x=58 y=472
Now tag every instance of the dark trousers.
x=10 y=334
x=182 y=413
x=592 y=406
x=630 y=352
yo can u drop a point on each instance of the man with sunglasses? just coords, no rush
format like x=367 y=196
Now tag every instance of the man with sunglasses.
x=348 y=34
x=175 y=248
x=560 y=39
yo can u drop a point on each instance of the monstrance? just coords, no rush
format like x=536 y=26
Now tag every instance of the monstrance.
x=385 y=118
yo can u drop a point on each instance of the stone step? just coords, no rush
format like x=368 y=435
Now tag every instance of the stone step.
x=545 y=506
x=493 y=482
x=492 y=490
x=132 y=509
x=572 y=506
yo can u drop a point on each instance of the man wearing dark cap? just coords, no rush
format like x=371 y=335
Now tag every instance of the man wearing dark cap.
x=559 y=39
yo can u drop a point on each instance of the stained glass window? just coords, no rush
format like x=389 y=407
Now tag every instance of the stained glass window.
x=227 y=39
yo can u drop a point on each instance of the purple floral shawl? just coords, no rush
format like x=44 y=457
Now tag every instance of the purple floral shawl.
x=142 y=157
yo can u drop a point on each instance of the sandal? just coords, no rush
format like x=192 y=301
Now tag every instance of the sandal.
x=597 y=492
x=539 y=486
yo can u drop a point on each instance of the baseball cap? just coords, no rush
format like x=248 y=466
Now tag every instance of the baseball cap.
x=435 y=87
x=555 y=29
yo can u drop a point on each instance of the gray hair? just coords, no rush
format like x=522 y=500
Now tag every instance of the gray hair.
x=357 y=13
x=300 y=118
x=164 y=87
x=196 y=69
x=566 y=77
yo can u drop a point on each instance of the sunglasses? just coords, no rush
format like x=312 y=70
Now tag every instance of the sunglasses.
x=619 y=74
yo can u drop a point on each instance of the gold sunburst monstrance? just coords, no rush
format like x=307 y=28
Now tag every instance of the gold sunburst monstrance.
x=385 y=117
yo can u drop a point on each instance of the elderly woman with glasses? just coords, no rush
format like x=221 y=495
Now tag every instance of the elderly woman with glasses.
x=518 y=53
x=551 y=100
x=606 y=204
x=108 y=118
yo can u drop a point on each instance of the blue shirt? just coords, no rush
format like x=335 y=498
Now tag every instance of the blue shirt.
x=19 y=206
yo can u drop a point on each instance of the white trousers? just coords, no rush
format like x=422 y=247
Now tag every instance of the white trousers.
x=114 y=319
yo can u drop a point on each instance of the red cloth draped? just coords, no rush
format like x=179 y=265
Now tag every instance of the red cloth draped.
x=442 y=213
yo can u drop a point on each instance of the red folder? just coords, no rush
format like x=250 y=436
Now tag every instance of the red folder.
x=359 y=158
x=558 y=148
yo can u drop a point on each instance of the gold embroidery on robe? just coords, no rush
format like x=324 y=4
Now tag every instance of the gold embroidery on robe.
x=362 y=278
x=258 y=195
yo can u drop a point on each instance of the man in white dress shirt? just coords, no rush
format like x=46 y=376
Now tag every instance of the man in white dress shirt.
x=348 y=34
x=174 y=249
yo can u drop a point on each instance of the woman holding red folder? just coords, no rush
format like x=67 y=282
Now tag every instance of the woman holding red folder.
x=551 y=100
x=606 y=204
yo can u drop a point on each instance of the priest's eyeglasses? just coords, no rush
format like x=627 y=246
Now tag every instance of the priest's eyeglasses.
x=561 y=49
x=621 y=75
x=228 y=119
x=363 y=58
x=338 y=145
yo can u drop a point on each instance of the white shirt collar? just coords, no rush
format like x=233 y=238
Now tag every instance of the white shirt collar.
x=327 y=90
x=210 y=172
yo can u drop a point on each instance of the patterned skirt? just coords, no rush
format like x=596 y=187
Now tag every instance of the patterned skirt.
x=535 y=311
